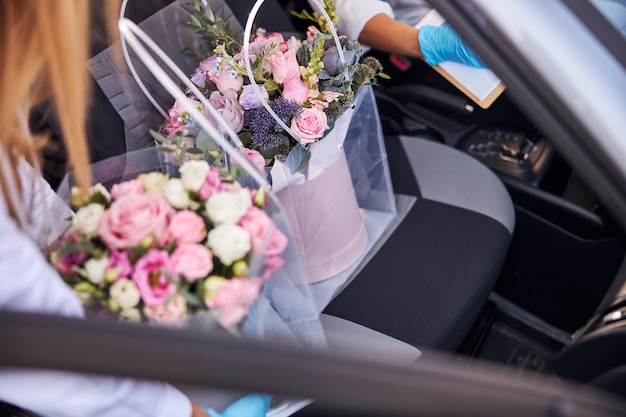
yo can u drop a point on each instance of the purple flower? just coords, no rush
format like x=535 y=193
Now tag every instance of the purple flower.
x=231 y=110
x=267 y=133
x=249 y=99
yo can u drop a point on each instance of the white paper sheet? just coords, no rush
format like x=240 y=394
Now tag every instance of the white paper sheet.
x=479 y=81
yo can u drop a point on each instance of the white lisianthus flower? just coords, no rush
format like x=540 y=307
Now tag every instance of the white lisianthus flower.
x=174 y=191
x=125 y=293
x=153 y=182
x=131 y=315
x=87 y=219
x=228 y=206
x=229 y=242
x=193 y=174
x=99 y=188
x=95 y=268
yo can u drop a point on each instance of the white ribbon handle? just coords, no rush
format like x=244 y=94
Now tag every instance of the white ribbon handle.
x=246 y=55
x=133 y=33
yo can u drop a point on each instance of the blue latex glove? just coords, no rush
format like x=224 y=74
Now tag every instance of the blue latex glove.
x=252 y=405
x=441 y=43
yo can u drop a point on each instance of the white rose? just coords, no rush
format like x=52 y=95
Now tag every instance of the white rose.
x=193 y=174
x=174 y=191
x=99 y=188
x=94 y=269
x=125 y=293
x=153 y=181
x=87 y=219
x=229 y=242
x=227 y=206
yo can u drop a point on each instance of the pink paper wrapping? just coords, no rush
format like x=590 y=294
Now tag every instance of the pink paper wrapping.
x=327 y=224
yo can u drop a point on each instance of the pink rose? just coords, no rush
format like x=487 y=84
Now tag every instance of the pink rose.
x=133 y=218
x=253 y=156
x=199 y=76
x=309 y=125
x=283 y=64
x=172 y=313
x=234 y=298
x=259 y=44
x=227 y=103
x=225 y=77
x=127 y=187
x=212 y=184
x=193 y=261
x=178 y=116
x=151 y=277
x=272 y=264
x=266 y=238
x=294 y=88
x=119 y=261
x=186 y=226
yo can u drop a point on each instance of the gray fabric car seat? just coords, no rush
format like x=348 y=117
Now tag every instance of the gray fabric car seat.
x=428 y=283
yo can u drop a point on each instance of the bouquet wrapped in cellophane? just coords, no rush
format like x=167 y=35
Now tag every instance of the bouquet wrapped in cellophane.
x=303 y=109
x=167 y=238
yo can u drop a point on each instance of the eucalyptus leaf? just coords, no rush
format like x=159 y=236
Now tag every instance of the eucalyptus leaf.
x=192 y=299
x=158 y=137
x=205 y=142
x=298 y=158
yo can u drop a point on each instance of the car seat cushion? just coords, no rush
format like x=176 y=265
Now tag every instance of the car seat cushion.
x=429 y=281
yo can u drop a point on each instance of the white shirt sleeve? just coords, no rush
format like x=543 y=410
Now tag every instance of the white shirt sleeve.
x=354 y=14
x=29 y=283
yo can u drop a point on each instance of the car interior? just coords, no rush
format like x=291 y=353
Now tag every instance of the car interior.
x=554 y=300
x=504 y=255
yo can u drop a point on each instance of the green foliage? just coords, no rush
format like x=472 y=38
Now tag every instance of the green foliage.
x=212 y=30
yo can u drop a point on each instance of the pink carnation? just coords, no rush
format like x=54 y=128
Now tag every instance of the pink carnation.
x=193 y=261
x=151 y=277
x=133 y=218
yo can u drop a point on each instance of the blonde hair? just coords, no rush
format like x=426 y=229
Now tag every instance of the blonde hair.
x=44 y=47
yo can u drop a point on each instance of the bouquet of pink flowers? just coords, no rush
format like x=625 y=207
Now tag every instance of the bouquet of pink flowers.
x=306 y=84
x=161 y=248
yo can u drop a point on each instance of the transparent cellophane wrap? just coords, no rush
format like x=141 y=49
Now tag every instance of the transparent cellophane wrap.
x=335 y=218
x=285 y=310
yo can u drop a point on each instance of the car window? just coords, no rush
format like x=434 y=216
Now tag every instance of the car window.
x=615 y=12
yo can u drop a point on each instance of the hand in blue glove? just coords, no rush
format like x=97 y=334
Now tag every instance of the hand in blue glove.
x=252 y=405
x=441 y=43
